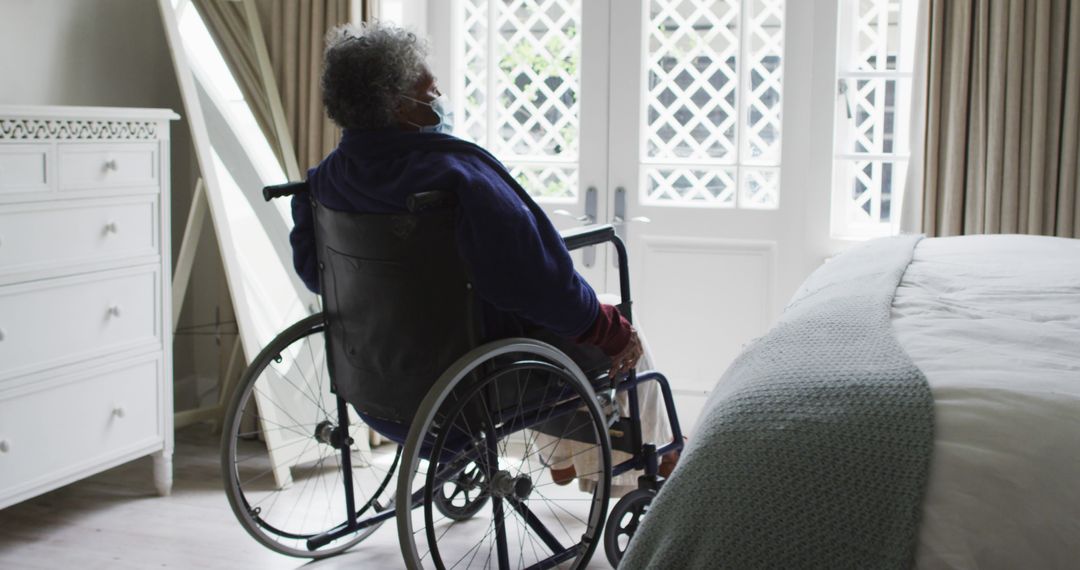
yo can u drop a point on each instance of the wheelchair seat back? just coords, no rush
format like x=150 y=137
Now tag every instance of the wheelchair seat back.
x=398 y=304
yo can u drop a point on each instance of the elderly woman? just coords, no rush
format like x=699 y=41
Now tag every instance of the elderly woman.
x=396 y=142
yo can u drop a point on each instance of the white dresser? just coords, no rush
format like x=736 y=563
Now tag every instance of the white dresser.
x=85 y=333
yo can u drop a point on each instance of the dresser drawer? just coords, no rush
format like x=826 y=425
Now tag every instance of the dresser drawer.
x=25 y=167
x=63 y=430
x=54 y=322
x=61 y=234
x=84 y=166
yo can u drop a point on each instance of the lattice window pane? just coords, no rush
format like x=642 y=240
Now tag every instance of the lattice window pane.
x=522 y=84
x=692 y=80
x=713 y=186
x=713 y=89
x=547 y=181
x=870 y=187
x=874 y=86
x=475 y=78
x=877 y=40
x=868 y=123
x=758 y=188
x=763 y=73
x=538 y=80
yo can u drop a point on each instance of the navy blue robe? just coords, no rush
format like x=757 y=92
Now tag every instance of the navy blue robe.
x=518 y=261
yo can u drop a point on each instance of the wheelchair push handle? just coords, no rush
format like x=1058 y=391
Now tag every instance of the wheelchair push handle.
x=427 y=201
x=585 y=236
x=282 y=190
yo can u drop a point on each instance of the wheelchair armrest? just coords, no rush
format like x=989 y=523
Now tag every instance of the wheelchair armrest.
x=287 y=189
x=585 y=236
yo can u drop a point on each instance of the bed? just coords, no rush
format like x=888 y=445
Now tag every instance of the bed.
x=988 y=327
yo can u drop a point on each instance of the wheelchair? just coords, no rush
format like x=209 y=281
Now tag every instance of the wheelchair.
x=398 y=344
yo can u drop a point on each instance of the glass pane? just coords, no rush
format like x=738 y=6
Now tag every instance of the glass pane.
x=692 y=81
x=759 y=188
x=685 y=186
x=550 y=181
x=522 y=85
x=873 y=113
x=764 y=48
x=878 y=37
x=473 y=111
x=713 y=85
x=869 y=187
x=873 y=118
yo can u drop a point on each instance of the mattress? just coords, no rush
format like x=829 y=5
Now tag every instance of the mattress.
x=994 y=324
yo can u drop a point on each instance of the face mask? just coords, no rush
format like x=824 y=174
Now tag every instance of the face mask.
x=442 y=111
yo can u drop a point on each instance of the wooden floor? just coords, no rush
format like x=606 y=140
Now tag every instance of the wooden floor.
x=115 y=520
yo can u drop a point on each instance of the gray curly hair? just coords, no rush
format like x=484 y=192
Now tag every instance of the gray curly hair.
x=366 y=70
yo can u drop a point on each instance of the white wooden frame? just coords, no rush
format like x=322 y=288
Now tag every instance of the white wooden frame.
x=253 y=328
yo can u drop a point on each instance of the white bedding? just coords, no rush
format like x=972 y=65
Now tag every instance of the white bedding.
x=994 y=323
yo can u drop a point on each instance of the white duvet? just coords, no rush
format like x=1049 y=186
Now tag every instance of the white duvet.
x=994 y=323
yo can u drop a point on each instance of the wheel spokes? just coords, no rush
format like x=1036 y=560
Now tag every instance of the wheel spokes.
x=527 y=524
x=284 y=473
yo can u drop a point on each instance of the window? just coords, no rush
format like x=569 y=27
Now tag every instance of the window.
x=875 y=53
x=712 y=106
x=524 y=57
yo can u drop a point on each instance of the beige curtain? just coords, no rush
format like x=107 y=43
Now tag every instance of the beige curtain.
x=1002 y=138
x=296 y=35
x=287 y=104
x=228 y=25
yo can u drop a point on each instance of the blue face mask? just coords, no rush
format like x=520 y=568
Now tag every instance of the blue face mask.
x=442 y=111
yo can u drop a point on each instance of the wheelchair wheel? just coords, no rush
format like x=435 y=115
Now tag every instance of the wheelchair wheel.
x=463 y=495
x=623 y=522
x=283 y=450
x=507 y=407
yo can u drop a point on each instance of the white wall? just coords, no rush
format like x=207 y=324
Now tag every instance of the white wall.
x=114 y=53
x=79 y=52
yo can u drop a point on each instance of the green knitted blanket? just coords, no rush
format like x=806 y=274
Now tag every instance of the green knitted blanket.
x=814 y=447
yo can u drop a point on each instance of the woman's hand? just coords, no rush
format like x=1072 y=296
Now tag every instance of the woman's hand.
x=622 y=362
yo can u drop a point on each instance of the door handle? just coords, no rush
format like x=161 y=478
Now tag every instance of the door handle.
x=588 y=254
x=561 y=212
x=619 y=219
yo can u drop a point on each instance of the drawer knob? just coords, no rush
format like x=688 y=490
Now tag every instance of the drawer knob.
x=111 y=165
x=114 y=310
x=118 y=412
x=4 y=447
x=112 y=228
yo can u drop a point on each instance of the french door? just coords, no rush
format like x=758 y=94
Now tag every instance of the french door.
x=687 y=123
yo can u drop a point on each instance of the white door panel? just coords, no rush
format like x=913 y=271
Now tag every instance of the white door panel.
x=725 y=289
x=709 y=138
x=693 y=122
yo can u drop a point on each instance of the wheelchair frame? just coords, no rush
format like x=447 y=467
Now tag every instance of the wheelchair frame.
x=645 y=456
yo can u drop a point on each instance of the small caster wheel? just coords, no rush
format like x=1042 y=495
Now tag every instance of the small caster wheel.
x=463 y=496
x=623 y=522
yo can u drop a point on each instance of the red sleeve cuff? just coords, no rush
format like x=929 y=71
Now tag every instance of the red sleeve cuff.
x=610 y=332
